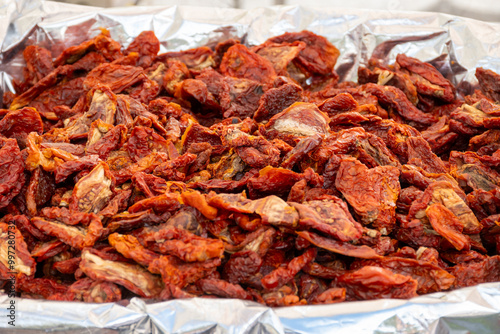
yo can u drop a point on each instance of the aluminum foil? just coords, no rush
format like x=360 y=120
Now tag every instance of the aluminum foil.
x=455 y=45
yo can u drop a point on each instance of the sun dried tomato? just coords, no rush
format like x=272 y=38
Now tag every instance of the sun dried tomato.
x=240 y=62
x=371 y=282
x=427 y=79
x=374 y=199
x=195 y=59
x=223 y=289
x=19 y=123
x=129 y=246
x=430 y=277
x=283 y=275
x=275 y=100
x=133 y=277
x=38 y=64
x=473 y=273
x=75 y=236
x=488 y=83
x=147 y=46
x=11 y=171
x=330 y=217
x=319 y=55
x=240 y=97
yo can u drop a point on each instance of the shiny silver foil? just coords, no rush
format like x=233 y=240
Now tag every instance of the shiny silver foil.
x=455 y=45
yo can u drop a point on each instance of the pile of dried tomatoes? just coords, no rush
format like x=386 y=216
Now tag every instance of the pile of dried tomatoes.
x=245 y=172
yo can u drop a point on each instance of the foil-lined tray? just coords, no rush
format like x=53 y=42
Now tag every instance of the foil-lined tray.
x=454 y=45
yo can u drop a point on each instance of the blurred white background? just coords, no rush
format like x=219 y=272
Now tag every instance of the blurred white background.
x=486 y=10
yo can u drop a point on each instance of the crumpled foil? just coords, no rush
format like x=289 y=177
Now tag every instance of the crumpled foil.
x=455 y=45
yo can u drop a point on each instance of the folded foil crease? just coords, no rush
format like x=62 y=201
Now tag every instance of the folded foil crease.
x=456 y=46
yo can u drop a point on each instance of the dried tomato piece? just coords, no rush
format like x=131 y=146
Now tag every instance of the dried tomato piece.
x=99 y=292
x=488 y=81
x=444 y=193
x=366 y=147
x=163 y=203
x=242 y=266
x=185 y=245
x=196 y=133
x=40 y=190
x=104 y=142
x=101 y=105
x=421 y=179
x=103 y=43
x=385 y=76
x=283 y=275
x=222 y=289
x=196 y=93
x=54 y=102
x=38 y=64
x=198 y=201
x=421 y=155
x=47 y=82
x=339 y=247
x=319 y=56
x=329 y=296
x=147 y=45
x=116 y=77
x=146 y=165
x=259 y=241
x=240 y=97
x=406 y=197
x=301 y=150
x=11 y=171
x=299 y=120
x=285 y=296
x=468 y=168
x=178 y=273
x=67 y=168
x=44 y=250
x=129 y=221
x=195 y=59
x=447 y=224
x=74 y=236
x=439 y=136
x=129 y=246
x=473 y=273
x=133 y=277
x=430 y=277
x=397 y=100
x=69 y=266
x=89 y=61
x=374 y=199
x=427 y=79
x=272 y=209
x=44 y=287
x=371 y=282
x=331 y=217
x=149 y=185
x=321 y=271
x=19 y=123
x=28 y=230
x=92 y=192
x=14 y=255
x=280 y=54
x=255 y=151
x=240 y=62
x=271 y=180
x=275 y=100
x=48 y=158
x=143 y=141
x=462 y=257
